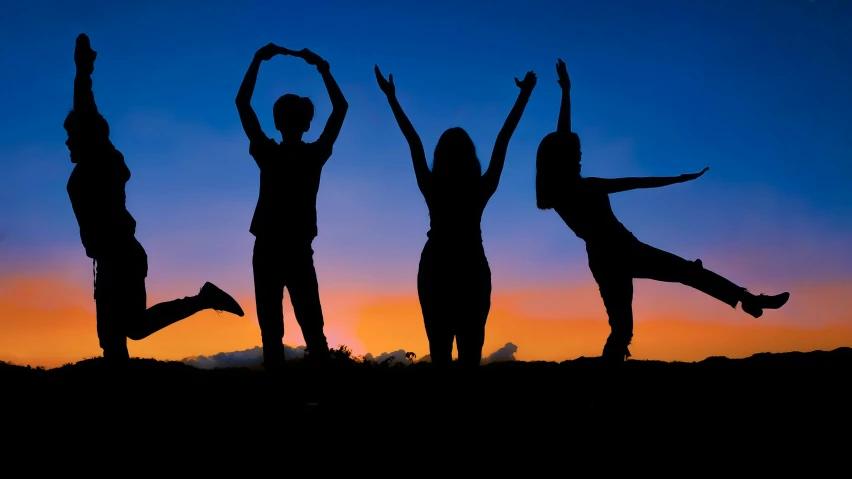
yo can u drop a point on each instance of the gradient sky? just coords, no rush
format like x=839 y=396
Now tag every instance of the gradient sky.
x=758 y=90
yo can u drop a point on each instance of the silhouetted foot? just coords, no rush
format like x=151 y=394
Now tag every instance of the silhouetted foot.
x=317 y=356
x=273 y=366
x=615 y=350
x=113 y=361
x=116 y=354
x=615 y=354
x=214 y=298
x=754 y=305
x=273 y=358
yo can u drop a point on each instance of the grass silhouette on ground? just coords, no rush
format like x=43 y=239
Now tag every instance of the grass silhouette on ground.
x=795 y=388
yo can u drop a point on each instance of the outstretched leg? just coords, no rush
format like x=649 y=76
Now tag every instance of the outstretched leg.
x=652 y=263
x=434 y=304
x=301 y=281
x=167 y=313
x=121 y=299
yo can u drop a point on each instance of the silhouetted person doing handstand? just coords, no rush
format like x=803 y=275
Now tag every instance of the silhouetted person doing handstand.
x=615 y=255
x=107 y=230
x=454 y=279
x=285 y=219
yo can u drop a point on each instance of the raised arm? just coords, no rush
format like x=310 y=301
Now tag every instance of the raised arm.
x=617 y=185
x=84 y=59
x=491 y=178
x=251 y=125
x=87 y=130
x=563 y=125
x=339 y=105
x=418 y=155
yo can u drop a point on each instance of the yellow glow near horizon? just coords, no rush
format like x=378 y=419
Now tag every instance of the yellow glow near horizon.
x=47 y=323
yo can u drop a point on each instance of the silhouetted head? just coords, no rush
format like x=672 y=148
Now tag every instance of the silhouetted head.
x=293 y=114
x=455 y=158
x=85 y=136
x=557 y=160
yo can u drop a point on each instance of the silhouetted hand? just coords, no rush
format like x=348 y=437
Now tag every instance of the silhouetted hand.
x=387 y=86
x=84 y=56
x=562 y=72
x=311 y=58
x=692 y=176
x=528 y=84
x=268 y=51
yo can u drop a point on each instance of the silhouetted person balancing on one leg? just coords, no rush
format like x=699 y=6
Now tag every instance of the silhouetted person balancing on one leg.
x=107 y=230
x=285 y=219
x=454 y=279
x=616 y=257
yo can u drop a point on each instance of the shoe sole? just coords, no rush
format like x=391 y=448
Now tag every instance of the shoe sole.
x=232 y=306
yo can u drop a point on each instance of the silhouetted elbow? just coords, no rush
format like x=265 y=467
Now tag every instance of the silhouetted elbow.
x=242 y=101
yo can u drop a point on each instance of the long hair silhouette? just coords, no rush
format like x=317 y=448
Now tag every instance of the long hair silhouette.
x=616 y=257
x=454 y=278
x=455 y=161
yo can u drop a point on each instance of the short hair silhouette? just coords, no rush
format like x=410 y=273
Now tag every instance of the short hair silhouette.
x=87 y=134
x=96 y=189
x=293 y=112
x=285 y=219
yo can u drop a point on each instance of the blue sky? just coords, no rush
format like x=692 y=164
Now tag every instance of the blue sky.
x=759 y=91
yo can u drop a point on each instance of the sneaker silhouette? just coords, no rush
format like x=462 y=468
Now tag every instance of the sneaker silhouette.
x=756 y=304
x=215 y=298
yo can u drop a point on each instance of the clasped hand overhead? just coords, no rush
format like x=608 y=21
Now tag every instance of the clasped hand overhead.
x=268 y=51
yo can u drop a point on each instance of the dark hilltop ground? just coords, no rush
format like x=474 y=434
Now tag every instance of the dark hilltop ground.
x=788 y=398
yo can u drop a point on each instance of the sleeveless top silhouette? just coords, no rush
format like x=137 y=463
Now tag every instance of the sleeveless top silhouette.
x=456 y=216
x=96 y=188
x=589 y=215
x=289 y=183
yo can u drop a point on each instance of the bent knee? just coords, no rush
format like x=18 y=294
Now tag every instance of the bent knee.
x=135 y=330
x=136 y=334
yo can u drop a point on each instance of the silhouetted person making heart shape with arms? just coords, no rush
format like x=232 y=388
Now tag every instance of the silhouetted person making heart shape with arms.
x=107 y=230
x=454 y=279
x=285 y=218
x=616 y=257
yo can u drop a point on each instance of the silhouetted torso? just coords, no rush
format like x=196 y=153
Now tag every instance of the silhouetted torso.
x=589 y=215
x=97 y=192
x=289 y=182
x=455 y=219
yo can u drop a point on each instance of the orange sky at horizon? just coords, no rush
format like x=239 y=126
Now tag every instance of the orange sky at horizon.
x=47 y=322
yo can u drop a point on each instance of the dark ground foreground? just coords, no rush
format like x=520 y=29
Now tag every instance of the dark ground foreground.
x=783 y=399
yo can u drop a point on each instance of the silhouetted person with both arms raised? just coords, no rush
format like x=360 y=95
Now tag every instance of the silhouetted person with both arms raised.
x=285 y=219
x=454 y=279
x=107 y=230
x=615 y=255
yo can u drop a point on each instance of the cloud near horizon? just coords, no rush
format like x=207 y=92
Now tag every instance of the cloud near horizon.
x=254 y=357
